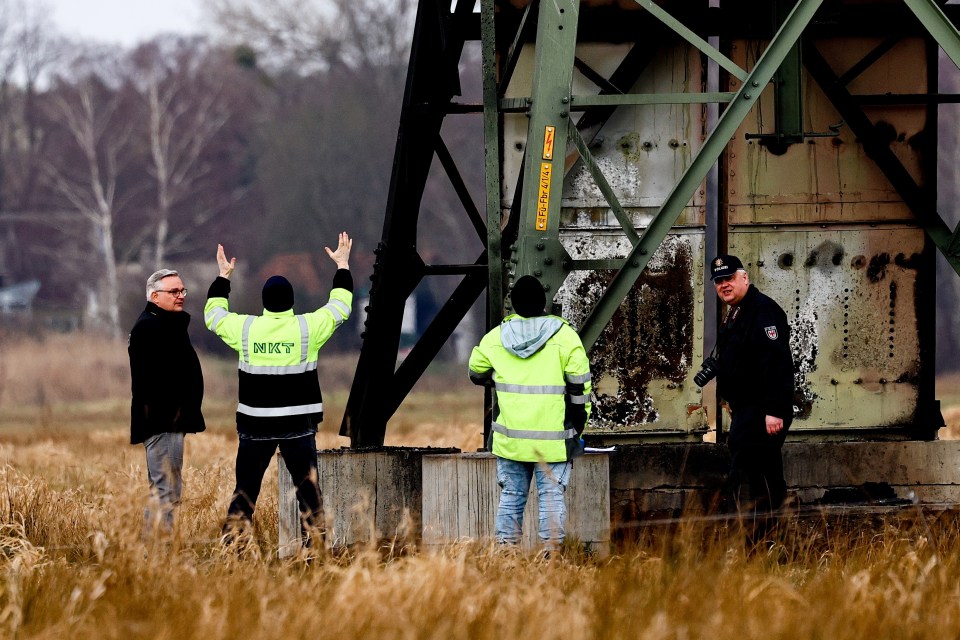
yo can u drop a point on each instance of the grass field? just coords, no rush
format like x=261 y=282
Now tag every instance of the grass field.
x=73 y=563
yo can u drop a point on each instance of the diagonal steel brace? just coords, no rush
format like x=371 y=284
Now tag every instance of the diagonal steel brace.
x=727 y=125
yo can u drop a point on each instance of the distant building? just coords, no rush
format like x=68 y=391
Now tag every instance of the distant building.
x=18 y=298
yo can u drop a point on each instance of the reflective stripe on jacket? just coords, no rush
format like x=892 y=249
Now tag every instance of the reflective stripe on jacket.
x=277 y=357
x=542 y=400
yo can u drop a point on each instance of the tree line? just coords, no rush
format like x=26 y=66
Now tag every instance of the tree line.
x=270 y=136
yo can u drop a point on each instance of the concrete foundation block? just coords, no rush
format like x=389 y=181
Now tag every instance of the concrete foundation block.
x=461 y=494
x=439 y=496
x=855 y=463
x=921 y=472
x=649 y=481
x=664 y=480
x=369 y=497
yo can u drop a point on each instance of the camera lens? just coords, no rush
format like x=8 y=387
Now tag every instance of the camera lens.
x=708 y=370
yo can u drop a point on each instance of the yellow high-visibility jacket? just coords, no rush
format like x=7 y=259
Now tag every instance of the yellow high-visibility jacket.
x=541 y=379
x=277 y=358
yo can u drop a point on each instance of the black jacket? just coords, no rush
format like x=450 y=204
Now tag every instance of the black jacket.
x=165 y=374
x=755 y=363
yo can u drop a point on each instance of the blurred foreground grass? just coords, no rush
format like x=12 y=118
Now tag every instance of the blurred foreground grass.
x=73 y=563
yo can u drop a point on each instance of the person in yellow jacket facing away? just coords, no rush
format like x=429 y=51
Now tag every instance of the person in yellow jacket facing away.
x=280 y=400
x=540 y=374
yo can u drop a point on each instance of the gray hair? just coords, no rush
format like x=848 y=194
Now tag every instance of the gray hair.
x=153 y=282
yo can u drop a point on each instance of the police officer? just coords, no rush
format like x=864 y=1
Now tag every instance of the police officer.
x=280 y=401
x=755 y=377
x=540 y=373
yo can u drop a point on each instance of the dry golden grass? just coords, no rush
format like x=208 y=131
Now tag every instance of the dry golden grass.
x=73 y=564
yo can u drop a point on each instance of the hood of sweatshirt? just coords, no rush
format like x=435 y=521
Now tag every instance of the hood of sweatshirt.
x=523 y=337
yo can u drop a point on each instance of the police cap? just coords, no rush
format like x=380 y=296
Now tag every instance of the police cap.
x=724 y=266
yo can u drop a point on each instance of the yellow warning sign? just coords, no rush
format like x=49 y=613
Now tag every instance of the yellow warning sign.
x=548 y=135
x=543 y=198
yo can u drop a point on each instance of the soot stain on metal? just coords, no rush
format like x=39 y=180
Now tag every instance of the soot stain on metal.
x=877 y=269
x=826 y=261
x=826 y=254
x=885 y=132
x=911 y=262
x=803 y=347
x=650 y=337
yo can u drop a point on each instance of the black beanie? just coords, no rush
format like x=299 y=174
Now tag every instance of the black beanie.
x=277 y=294
x=528 y=298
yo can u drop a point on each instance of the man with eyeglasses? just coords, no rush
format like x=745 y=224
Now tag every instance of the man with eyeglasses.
x=755 y=378
x=167 y=386
x=280 y=401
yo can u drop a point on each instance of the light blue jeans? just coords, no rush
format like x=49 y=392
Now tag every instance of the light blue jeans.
x=164 y=465
x=514 y=480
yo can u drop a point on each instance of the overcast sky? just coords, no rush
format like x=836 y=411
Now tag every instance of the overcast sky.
x=126 y=22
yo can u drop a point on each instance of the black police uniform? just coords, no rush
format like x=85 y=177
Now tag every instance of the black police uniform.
x=755 y=377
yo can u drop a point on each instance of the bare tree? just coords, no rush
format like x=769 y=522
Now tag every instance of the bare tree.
x=337 y=78
x=286 y=34
x=186 y=109
x=339 y=68
x=312 y=35
x=87 y=174
x=38 y=50
x=27 y=48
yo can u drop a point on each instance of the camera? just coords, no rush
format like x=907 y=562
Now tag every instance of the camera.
x=708 y=371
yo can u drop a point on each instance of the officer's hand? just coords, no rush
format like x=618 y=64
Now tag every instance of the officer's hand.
x=226 y=266
x=342 y=255
x=774 y=425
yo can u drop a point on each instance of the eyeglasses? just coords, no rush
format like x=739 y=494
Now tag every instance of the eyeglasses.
x=176 y=293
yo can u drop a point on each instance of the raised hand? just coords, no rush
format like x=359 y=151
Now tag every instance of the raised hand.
x=226 y=266
x=342 y=255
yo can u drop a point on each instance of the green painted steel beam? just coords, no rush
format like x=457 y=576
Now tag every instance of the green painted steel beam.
x=705 y=47
x=579 y=102
x=788 y=87
x=583 y=102
x=727 y=125
x=591 y=164
x=938 y=25
x=513 y=55
x=952 y=249
x=539 y=251
x=920 y=203
x=459 y=186
x=515 y=105
x=868 y=60
x=491 y=137
x=598 y=264
x=947 y=36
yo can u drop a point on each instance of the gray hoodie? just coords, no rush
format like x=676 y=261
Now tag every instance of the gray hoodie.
x=523 y=337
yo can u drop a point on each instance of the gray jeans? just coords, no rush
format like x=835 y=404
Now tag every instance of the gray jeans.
x=164 y=464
